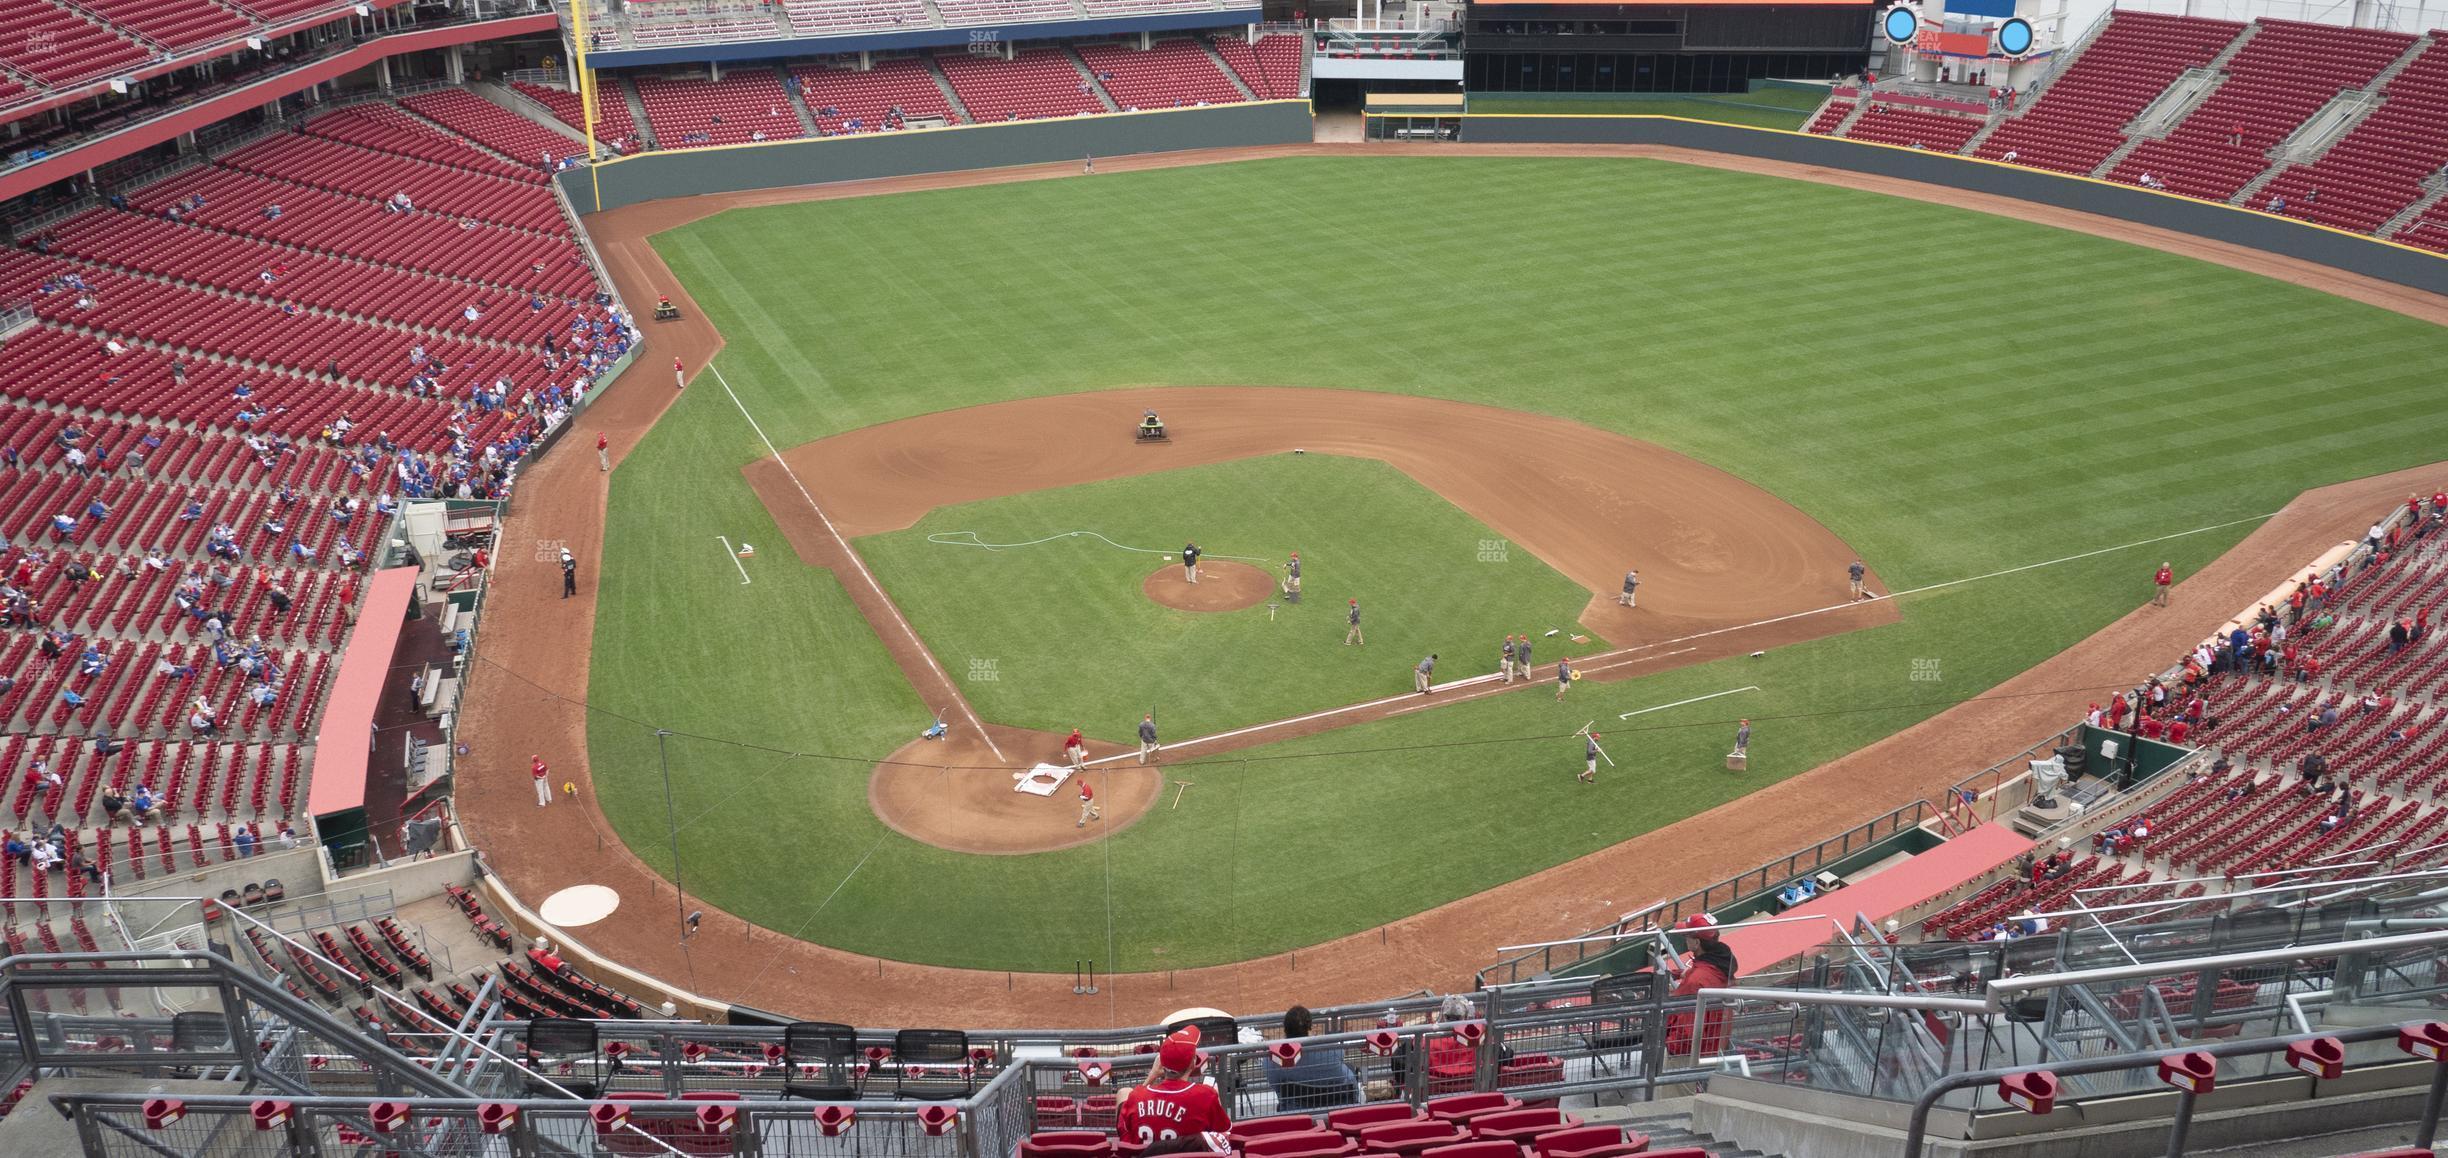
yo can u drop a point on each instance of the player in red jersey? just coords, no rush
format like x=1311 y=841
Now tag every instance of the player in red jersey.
x=1172 y=1105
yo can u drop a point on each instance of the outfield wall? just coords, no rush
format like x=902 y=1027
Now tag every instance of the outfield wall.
x=781 y=164
x=2269 y=233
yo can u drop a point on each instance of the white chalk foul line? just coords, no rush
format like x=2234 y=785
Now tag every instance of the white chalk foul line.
x=1630 y=655
x=970 y=539
x=735 y=559
x=1680 y=703
x=865 y=575
x=1609 y=655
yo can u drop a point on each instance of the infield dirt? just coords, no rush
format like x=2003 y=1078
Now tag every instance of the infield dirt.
x=532 y=632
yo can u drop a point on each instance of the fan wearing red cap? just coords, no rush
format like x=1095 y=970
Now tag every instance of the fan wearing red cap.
x=1171 y=1105
x=1712 y=967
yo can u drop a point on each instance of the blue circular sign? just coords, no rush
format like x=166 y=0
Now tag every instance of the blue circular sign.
x=2014 y=38
x=1901 y=23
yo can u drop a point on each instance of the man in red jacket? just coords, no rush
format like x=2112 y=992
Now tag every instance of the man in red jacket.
x=1712 y=967
x=679 y=376
x=1171 y=1105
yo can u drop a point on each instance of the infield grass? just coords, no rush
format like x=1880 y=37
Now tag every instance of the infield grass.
x=2108 y=394
x=1069 y=639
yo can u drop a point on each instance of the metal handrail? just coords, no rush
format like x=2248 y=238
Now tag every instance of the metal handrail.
x=1917 y=1128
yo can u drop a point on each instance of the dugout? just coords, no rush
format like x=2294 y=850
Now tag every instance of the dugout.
x=1412 y=116
x=1698 y=47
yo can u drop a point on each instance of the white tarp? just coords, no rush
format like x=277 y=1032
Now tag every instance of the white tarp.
x=1041 y=780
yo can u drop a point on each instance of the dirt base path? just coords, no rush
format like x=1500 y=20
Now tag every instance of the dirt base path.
x=533 y=671
x=915 y=792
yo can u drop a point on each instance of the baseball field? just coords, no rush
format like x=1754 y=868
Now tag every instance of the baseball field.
x=1514 y=377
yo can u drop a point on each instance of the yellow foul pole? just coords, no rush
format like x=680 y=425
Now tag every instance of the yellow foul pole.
x=586 y=92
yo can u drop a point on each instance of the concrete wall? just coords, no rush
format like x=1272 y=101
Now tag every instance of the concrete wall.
x=780 y=164
x=298 y=870
x=2262 y=231
x=406 y=881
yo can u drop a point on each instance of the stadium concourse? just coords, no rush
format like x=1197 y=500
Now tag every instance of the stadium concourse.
x=1434 y=947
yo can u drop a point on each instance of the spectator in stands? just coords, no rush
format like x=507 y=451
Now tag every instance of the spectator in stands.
x=244 y=842
x=1318 y=1078
x=46 y=855
x=1712 y=967
x=2277 y=204
x=140 y=805
x=113 y=804
x=16 y=849
x=2326 y=717
x=2312 y=767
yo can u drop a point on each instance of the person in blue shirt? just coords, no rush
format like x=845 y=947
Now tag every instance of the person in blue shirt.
x=1319 y=1078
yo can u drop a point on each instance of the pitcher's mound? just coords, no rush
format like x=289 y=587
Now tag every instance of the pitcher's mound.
x=1222 y=586
x=956 y=794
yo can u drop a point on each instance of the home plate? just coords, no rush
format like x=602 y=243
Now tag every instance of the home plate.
x=578 y=905
x=1041 y=780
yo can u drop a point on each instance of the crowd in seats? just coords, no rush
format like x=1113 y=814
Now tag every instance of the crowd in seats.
x=2080 y=118
x=1034 y=84
x=2377 y=168
x=2284 y=74
x=747 y=104
x=2318 y=715
x=884 y=97
x=1892 y=125
x=1171 y=74
x=1271 y=67
x=384 y=178
x=613 y=124
x=201 y=441
x=57 y=47
x=234 y=201
x=507 y=133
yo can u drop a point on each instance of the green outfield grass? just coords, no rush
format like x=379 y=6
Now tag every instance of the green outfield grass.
x=2109 y=394
x=1767 y=108
x=1050 y=621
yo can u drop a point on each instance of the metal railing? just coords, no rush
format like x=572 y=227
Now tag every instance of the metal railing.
x=1560 y=956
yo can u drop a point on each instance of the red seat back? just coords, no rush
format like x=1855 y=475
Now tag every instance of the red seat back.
x=1409 y=1137
x=1279 y=1124
x=1577 y=1140
x=1305 y=1144
x=1066 y=1144
x=1353 y=1119
x=1523 y=1124
x=1483 y=1148
x=1459 y=1107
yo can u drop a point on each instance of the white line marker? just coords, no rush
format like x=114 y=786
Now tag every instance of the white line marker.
x=864 y=574
x=735 y=559
x=1680 y=703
